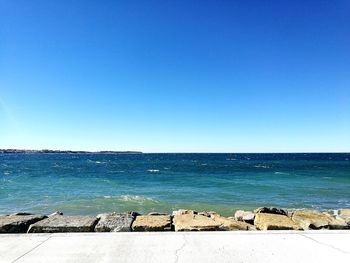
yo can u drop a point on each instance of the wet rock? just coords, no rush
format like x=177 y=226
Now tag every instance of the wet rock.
x=310 y=219
x=184 y=212
x=152 y=223
x=232 y=224
x=115 y=222
x=271 y=210
x=245 y=216
x=58 y=223
x=18 y=223
x=267 y=221
x=188 y=222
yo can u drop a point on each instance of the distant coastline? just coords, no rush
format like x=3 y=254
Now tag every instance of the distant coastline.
x=67 y=151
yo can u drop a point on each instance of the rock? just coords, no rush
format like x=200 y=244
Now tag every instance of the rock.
x=184 y=212
x=157 y=214
x=271 y=210
x=232 y=224
x=188 y=222
x=345 y=215
x=267 y=221
x=18 y=223
x=344 y=212
x=58 y=223
x=310 y=219
x=21 y=214
x=207 y=213
x=152 y=223
x=57 y=213
x=115 y=222
x=245 y=216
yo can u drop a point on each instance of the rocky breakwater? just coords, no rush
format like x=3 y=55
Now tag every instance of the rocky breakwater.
x=264 y=218
x=61 y=223
x=18 y=223
x=115 y=222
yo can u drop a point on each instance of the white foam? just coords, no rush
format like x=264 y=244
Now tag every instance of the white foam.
x=136 y=198
x=281 y=173
x=262 y=166
x=152 y=170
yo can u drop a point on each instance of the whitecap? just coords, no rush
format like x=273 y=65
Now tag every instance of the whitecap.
x=152 y=170
x=281 y=173
x=261 y=166
x=107 y=196
x=136 y=199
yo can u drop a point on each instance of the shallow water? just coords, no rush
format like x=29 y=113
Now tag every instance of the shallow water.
x=95 y=183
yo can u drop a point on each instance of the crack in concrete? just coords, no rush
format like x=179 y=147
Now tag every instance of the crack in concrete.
x=177 y=251
x=31 y=249
x=325 y=244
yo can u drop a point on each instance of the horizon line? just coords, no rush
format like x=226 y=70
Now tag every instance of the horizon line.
x=169 y=152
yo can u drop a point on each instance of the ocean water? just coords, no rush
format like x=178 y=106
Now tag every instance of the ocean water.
x=95 y=183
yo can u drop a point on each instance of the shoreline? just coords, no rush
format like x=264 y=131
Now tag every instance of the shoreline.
x=261 y=219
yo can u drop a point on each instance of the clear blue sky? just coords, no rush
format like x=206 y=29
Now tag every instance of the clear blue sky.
x=175 y=76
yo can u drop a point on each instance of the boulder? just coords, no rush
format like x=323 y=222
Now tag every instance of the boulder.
x=271 y=210
x=115 y=222
x=310 y=219
x=232 y=224
x=245 y=216
x=157 y=214
x=345 y=215
x=57 y=213
x=195 y=222
x=207 y=213
x=18 y=223
x=58 y=223
x=267 y=221
x=184 y=212
x=21 y=214
x=152 y=223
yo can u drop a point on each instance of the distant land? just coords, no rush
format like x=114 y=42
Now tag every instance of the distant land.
x=67 y=151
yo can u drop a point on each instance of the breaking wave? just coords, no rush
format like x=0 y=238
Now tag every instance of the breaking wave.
x=136 y=199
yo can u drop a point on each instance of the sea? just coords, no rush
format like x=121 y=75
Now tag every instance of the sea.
x=88 y=184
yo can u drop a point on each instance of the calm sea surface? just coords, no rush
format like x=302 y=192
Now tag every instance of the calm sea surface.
x=95 y=183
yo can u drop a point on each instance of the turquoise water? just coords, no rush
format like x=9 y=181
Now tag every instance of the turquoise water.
x=95 y=183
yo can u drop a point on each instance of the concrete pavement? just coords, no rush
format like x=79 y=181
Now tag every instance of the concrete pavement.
x=236 y=246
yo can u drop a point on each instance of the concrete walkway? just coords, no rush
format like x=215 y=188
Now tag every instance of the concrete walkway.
x=272 y=246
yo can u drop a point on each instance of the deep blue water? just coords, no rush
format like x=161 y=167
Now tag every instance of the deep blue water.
x=94 y=183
